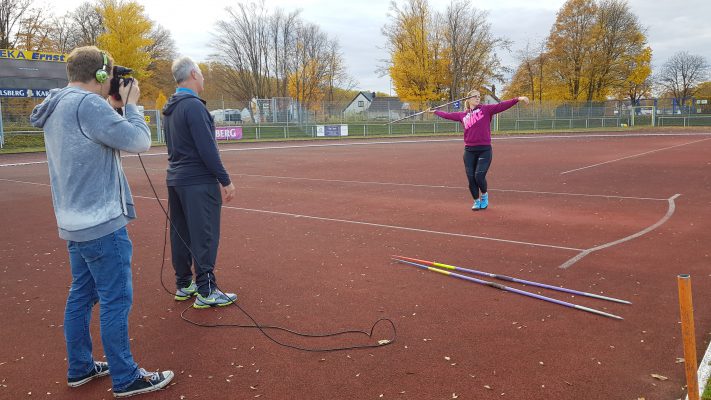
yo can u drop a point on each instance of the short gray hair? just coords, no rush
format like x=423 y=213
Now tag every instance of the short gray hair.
x=182 y=67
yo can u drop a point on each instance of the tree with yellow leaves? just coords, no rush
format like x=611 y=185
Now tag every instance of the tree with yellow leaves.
x=127 y=35
x=308 y=80
x=618 y=42
x=570 y=47
x=703 y=90
x=307 y=84
x=160 y=100
x=638 y=79
x=594 y=48
x=419 y=62
x=470 y=49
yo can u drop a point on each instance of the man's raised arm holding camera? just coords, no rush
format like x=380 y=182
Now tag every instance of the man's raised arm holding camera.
x=92 y=201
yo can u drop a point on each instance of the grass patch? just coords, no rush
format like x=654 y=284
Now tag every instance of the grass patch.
x=22 y=143
x=707 y=391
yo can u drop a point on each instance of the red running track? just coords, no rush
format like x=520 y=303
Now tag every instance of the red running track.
x=307 y=245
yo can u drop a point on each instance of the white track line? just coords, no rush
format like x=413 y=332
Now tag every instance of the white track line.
x=27 y=183
x=417 y=185
x=23 y=163
x=410 y=141
x=404 y=228
x=407 y=185
x=301 y=146
x=633 y=156
x=295 y=146
x=583 y=252
x=664 y=219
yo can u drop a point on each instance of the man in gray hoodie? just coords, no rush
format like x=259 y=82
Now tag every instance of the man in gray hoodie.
x=84 y=137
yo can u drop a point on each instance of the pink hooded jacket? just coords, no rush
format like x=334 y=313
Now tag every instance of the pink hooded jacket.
x=477 y=122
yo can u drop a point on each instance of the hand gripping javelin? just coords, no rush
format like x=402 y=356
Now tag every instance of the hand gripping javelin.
x=445 y=104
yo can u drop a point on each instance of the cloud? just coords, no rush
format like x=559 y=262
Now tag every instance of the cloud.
x=672 y=26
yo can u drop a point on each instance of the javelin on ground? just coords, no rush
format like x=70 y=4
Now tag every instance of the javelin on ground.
x=510 y=279
x=510 y=289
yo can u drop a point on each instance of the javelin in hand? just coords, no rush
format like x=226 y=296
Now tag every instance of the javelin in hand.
x=445 y=104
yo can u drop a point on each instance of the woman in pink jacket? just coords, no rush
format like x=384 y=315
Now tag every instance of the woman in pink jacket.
x=476 y=121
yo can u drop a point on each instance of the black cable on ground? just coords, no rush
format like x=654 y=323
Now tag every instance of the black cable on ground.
x=264 y=328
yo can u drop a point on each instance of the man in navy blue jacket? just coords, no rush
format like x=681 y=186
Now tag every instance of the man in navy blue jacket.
x=195 y=175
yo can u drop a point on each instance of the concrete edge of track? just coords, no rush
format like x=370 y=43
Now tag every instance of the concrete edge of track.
x=704 y=371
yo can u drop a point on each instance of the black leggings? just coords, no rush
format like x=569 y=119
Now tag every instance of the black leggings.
x=477 y=160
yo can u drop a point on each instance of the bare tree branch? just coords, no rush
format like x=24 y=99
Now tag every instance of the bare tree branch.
x=682 y=73
x=11 y=13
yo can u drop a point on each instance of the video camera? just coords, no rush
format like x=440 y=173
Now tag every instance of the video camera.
x=119 y=73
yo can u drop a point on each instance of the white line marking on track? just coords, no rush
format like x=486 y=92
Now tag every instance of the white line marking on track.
x=404 y=228
x=665 y=218
x=583 y=252
x=633 y=156
x=28 y=183
x=301 y=146
x=447 y=187
x=410 y=141
x=23 y=163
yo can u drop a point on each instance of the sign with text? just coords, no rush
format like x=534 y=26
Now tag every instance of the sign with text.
x=11 y=92
x=332 y=130
x=23 y=73
x=228 y=132
x=32 y=55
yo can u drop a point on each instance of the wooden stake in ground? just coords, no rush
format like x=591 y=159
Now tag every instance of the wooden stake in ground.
x=687 y=332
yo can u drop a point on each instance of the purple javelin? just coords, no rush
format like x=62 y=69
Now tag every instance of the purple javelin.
x=510 y=279
x=510 y=289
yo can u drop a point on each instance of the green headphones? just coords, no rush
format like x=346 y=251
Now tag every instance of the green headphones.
x=102 y=75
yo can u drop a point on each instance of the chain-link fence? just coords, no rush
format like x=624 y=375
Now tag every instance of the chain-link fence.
x=284 y=118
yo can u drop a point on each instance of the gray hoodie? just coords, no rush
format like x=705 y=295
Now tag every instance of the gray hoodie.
x=83 y=138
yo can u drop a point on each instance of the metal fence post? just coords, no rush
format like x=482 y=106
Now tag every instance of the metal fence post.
x=159 y=127
x=2 y=131
x=654 y=115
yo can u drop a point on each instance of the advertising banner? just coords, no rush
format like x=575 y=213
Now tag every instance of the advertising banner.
x=332 y=130
x=228 y=132
x=13 y=92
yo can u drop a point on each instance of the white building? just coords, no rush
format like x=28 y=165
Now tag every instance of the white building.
x=360 y=103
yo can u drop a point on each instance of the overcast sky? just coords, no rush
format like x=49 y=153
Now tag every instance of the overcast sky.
x=671 y=26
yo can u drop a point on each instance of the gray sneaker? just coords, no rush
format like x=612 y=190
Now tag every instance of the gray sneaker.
x=186 y=292
x=217 y=298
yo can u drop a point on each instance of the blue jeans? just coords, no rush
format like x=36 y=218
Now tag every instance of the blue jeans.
x=101 y=272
